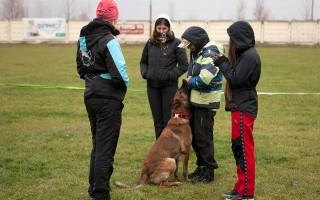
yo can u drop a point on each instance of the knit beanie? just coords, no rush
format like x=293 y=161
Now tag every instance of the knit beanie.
x=108 y=10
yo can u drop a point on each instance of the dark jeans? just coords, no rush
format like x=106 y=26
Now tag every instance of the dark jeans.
x=105 y=121
x=202 y=122
x=160 y=101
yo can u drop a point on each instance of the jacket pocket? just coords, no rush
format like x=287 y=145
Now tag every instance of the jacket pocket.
x=150 y=75
x=89 y=88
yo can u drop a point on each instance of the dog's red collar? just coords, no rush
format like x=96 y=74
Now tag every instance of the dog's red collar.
x=181 y=115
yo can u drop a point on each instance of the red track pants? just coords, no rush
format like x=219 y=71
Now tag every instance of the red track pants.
x=243 y=151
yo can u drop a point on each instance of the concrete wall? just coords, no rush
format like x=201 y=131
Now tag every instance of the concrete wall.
x=269 y=32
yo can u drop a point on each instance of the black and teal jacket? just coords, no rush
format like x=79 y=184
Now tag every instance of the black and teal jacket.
x=206 y=82
x=100 y=61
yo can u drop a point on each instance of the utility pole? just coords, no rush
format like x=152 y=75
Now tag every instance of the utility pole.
x=312 y=8
x=150 y=12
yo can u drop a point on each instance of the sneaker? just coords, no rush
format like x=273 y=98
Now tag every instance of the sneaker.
x=230 y=193
x=195 y=173
x=206 y=175
x=239 y=197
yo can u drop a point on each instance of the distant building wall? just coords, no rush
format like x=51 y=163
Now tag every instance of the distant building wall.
x=268 y=32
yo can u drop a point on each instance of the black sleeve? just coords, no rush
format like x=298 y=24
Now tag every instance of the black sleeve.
x=238 y=75
x=144 y=61
x=182 y=60
x=82 y=70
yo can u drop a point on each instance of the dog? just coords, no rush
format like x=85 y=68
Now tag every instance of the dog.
x=175 y=140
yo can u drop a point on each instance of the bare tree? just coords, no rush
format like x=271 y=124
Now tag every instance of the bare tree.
x=240 y=9
x=68 y=7
x=306 y=12
x=171 y=12
x=41 y=10
x=83 y=16
x=25 y=11
x=12 y=9
x=261 y=13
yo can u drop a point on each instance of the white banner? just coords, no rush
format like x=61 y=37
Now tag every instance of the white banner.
x=44 y=28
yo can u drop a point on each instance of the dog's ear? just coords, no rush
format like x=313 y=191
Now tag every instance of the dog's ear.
x=184 y=82
x=185 y=87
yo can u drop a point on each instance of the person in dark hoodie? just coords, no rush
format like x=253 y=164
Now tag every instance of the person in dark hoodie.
x=242 y=72
x=101 y=64
x=161 y=64
x=205 y=81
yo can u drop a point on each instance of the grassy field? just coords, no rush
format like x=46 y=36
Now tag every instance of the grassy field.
x=45 y=136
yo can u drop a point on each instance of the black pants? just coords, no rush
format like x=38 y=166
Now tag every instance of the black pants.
x=105 y=121
x=202 y=122
x=160 y=101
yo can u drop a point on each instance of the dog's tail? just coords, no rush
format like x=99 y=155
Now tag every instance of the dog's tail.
x=120 y=184
x=123 y=185
x=142 y=181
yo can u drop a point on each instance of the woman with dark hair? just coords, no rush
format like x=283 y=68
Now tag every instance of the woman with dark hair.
x=161 y=64
x=242 y=72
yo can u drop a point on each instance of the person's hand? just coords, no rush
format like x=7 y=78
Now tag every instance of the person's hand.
x=216 y=56
x=189 y=79
x=218 y=59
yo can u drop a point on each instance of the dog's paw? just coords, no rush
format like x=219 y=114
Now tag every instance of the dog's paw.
x=179 y=183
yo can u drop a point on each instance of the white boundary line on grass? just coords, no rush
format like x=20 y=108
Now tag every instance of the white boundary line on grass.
x=289 y=93
x=81 y=88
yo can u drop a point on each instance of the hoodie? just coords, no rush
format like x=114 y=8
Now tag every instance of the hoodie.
x=197 y=36
x=100 y=61
x=244 y=76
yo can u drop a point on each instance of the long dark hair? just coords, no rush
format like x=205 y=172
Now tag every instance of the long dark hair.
x=232 y=52
x=232 y=59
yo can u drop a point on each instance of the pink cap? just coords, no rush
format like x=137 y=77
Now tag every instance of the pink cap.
x=108 y=10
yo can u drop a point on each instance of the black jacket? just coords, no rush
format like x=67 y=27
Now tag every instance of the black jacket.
x=159 y=66
x=245 y=75
x=100 y=61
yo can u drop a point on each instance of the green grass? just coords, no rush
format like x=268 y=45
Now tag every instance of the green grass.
x=45 y=135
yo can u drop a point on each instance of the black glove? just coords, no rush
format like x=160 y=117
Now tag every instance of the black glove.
x=218 y=60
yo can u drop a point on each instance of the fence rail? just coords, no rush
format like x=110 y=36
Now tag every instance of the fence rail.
x=268 y=32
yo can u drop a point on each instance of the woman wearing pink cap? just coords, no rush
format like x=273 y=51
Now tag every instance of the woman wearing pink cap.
x=101 y=64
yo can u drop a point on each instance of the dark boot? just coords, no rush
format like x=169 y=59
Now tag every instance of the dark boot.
x=230 y=193
x=206 y=176
x=195 y=173
x=240 y=197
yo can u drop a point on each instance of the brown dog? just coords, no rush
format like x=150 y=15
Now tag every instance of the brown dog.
x=175 y=140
